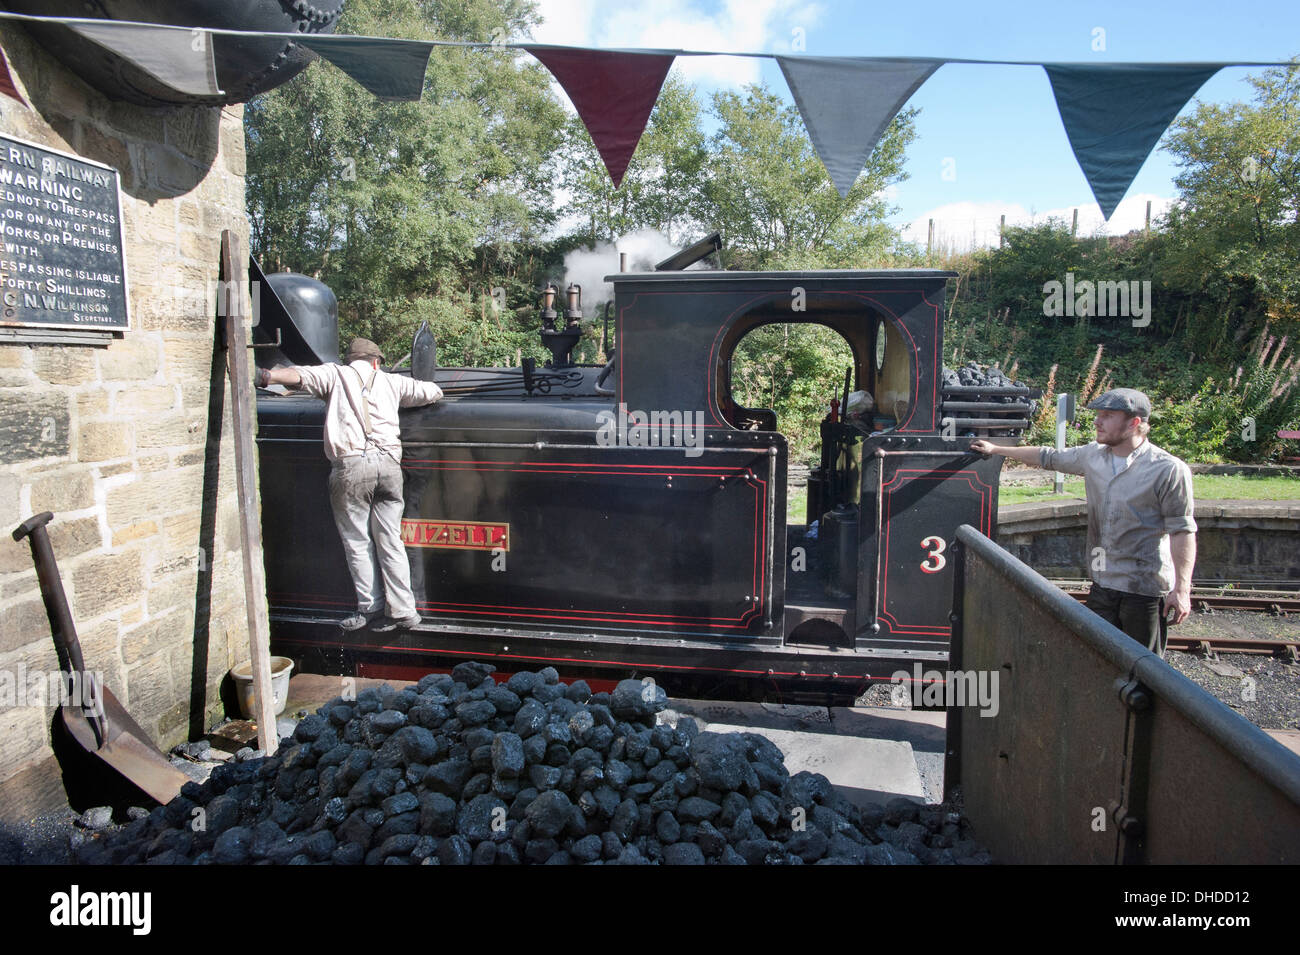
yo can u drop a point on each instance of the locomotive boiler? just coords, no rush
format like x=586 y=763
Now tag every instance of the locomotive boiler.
x=630 y=519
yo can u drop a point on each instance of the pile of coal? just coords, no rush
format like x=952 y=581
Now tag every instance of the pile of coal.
x=972 y=375
x=461 y=770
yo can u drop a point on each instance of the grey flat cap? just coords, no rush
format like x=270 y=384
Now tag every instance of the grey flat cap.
x=1128 y=400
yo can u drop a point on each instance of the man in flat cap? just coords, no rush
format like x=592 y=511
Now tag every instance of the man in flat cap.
x=363 y=441
x=1141 y=533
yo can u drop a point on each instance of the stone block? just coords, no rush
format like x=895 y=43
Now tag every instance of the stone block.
x=65 y=364
x=103 y=441
x=136 y=531
x=169 y=431
x=11 y=486
x=24 y=737
x=194 y=132
x=167 y=173
x=65 y=491
x=106 y=582
x=155 y=635
x=147 y=399
x=92 y=403
x=129 y=359
x=15 y=356
x=150 y=689
x=154 y=495
x=34 y=425
x=188 y=360
x=174 y=592
x=23 y=622
x=111 y=151
x=75 y=537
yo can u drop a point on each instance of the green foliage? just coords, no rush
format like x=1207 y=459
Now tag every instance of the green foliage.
x=1232 y=241
x=769 y=194
x=390 y=203
x=794 y=369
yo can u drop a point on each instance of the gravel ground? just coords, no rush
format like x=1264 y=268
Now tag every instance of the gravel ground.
x=1276 y=683
x=1276 y=689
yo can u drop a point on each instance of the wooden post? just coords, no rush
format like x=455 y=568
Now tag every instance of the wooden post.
x=1148 y=217
x=250 y=528
x=929 y=242
x=1074 y=228
x=1002 y=231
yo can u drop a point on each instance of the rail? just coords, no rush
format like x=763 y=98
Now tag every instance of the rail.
x=1096 y=750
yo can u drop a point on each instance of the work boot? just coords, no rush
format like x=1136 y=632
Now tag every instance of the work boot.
x=397 y=623
x=359 y=619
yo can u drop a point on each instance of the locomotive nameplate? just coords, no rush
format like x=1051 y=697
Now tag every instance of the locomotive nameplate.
x=458 y=535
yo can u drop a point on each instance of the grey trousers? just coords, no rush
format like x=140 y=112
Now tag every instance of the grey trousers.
x=366 y=495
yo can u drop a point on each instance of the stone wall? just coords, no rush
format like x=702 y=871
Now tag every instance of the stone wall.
x=1253 y=541
x=130 y=445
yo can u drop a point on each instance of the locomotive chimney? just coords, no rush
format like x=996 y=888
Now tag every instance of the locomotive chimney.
x=622 y=261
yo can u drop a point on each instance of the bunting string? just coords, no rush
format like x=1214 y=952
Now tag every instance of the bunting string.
x=1113 y=113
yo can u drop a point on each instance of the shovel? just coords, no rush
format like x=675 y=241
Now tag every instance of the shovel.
x=92 y=715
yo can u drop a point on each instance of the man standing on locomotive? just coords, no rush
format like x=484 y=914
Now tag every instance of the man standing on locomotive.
x=1141 y=533
x=363 y=441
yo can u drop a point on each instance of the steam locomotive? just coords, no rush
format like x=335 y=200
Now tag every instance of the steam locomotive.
x=630 y=519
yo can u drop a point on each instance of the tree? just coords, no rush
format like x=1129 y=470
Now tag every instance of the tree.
x=770 y=195
x=391 y=203
x=1234 y=234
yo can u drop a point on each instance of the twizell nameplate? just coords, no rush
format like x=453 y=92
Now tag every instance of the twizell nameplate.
x=61 y=262
x=458 y=535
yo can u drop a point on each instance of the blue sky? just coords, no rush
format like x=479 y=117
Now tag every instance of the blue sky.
x=997 y=124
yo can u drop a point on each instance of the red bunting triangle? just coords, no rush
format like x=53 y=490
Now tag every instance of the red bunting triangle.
x=7 y=82
x=613 y=94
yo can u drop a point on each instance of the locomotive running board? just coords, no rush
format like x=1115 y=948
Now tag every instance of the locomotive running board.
x=320 y=645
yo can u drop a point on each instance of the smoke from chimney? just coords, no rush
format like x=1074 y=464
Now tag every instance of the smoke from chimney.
x=588 y=268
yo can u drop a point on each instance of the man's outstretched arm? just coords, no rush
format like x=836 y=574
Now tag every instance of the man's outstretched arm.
x=1025 y=454
x=288 y=377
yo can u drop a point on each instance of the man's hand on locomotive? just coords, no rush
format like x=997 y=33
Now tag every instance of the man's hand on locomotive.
x=262 y=378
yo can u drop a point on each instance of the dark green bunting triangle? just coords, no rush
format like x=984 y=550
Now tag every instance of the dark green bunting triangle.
x=1114 y=114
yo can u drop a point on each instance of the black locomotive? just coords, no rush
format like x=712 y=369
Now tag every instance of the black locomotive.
x=630 y=519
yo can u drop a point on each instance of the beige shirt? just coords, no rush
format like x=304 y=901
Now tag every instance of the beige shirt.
x=344 y=388
x=1134 y=504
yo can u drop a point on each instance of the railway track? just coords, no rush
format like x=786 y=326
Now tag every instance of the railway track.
x=1209 y=599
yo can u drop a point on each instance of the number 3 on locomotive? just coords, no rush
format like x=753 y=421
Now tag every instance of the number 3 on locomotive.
x=935 y=561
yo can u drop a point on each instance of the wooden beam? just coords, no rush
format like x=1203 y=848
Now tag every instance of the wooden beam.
x=230 y=295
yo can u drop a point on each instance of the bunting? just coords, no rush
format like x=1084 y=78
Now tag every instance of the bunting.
x=613 y=93
x=848 y=102
x=1114 y=114
x=7 y=86
x=390 y=69
x=181 y=59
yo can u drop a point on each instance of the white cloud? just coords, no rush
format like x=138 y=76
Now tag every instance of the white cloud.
x=741 y=26
x=961 y=226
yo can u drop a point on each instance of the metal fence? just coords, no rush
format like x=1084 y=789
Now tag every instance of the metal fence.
x=1099 y=751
